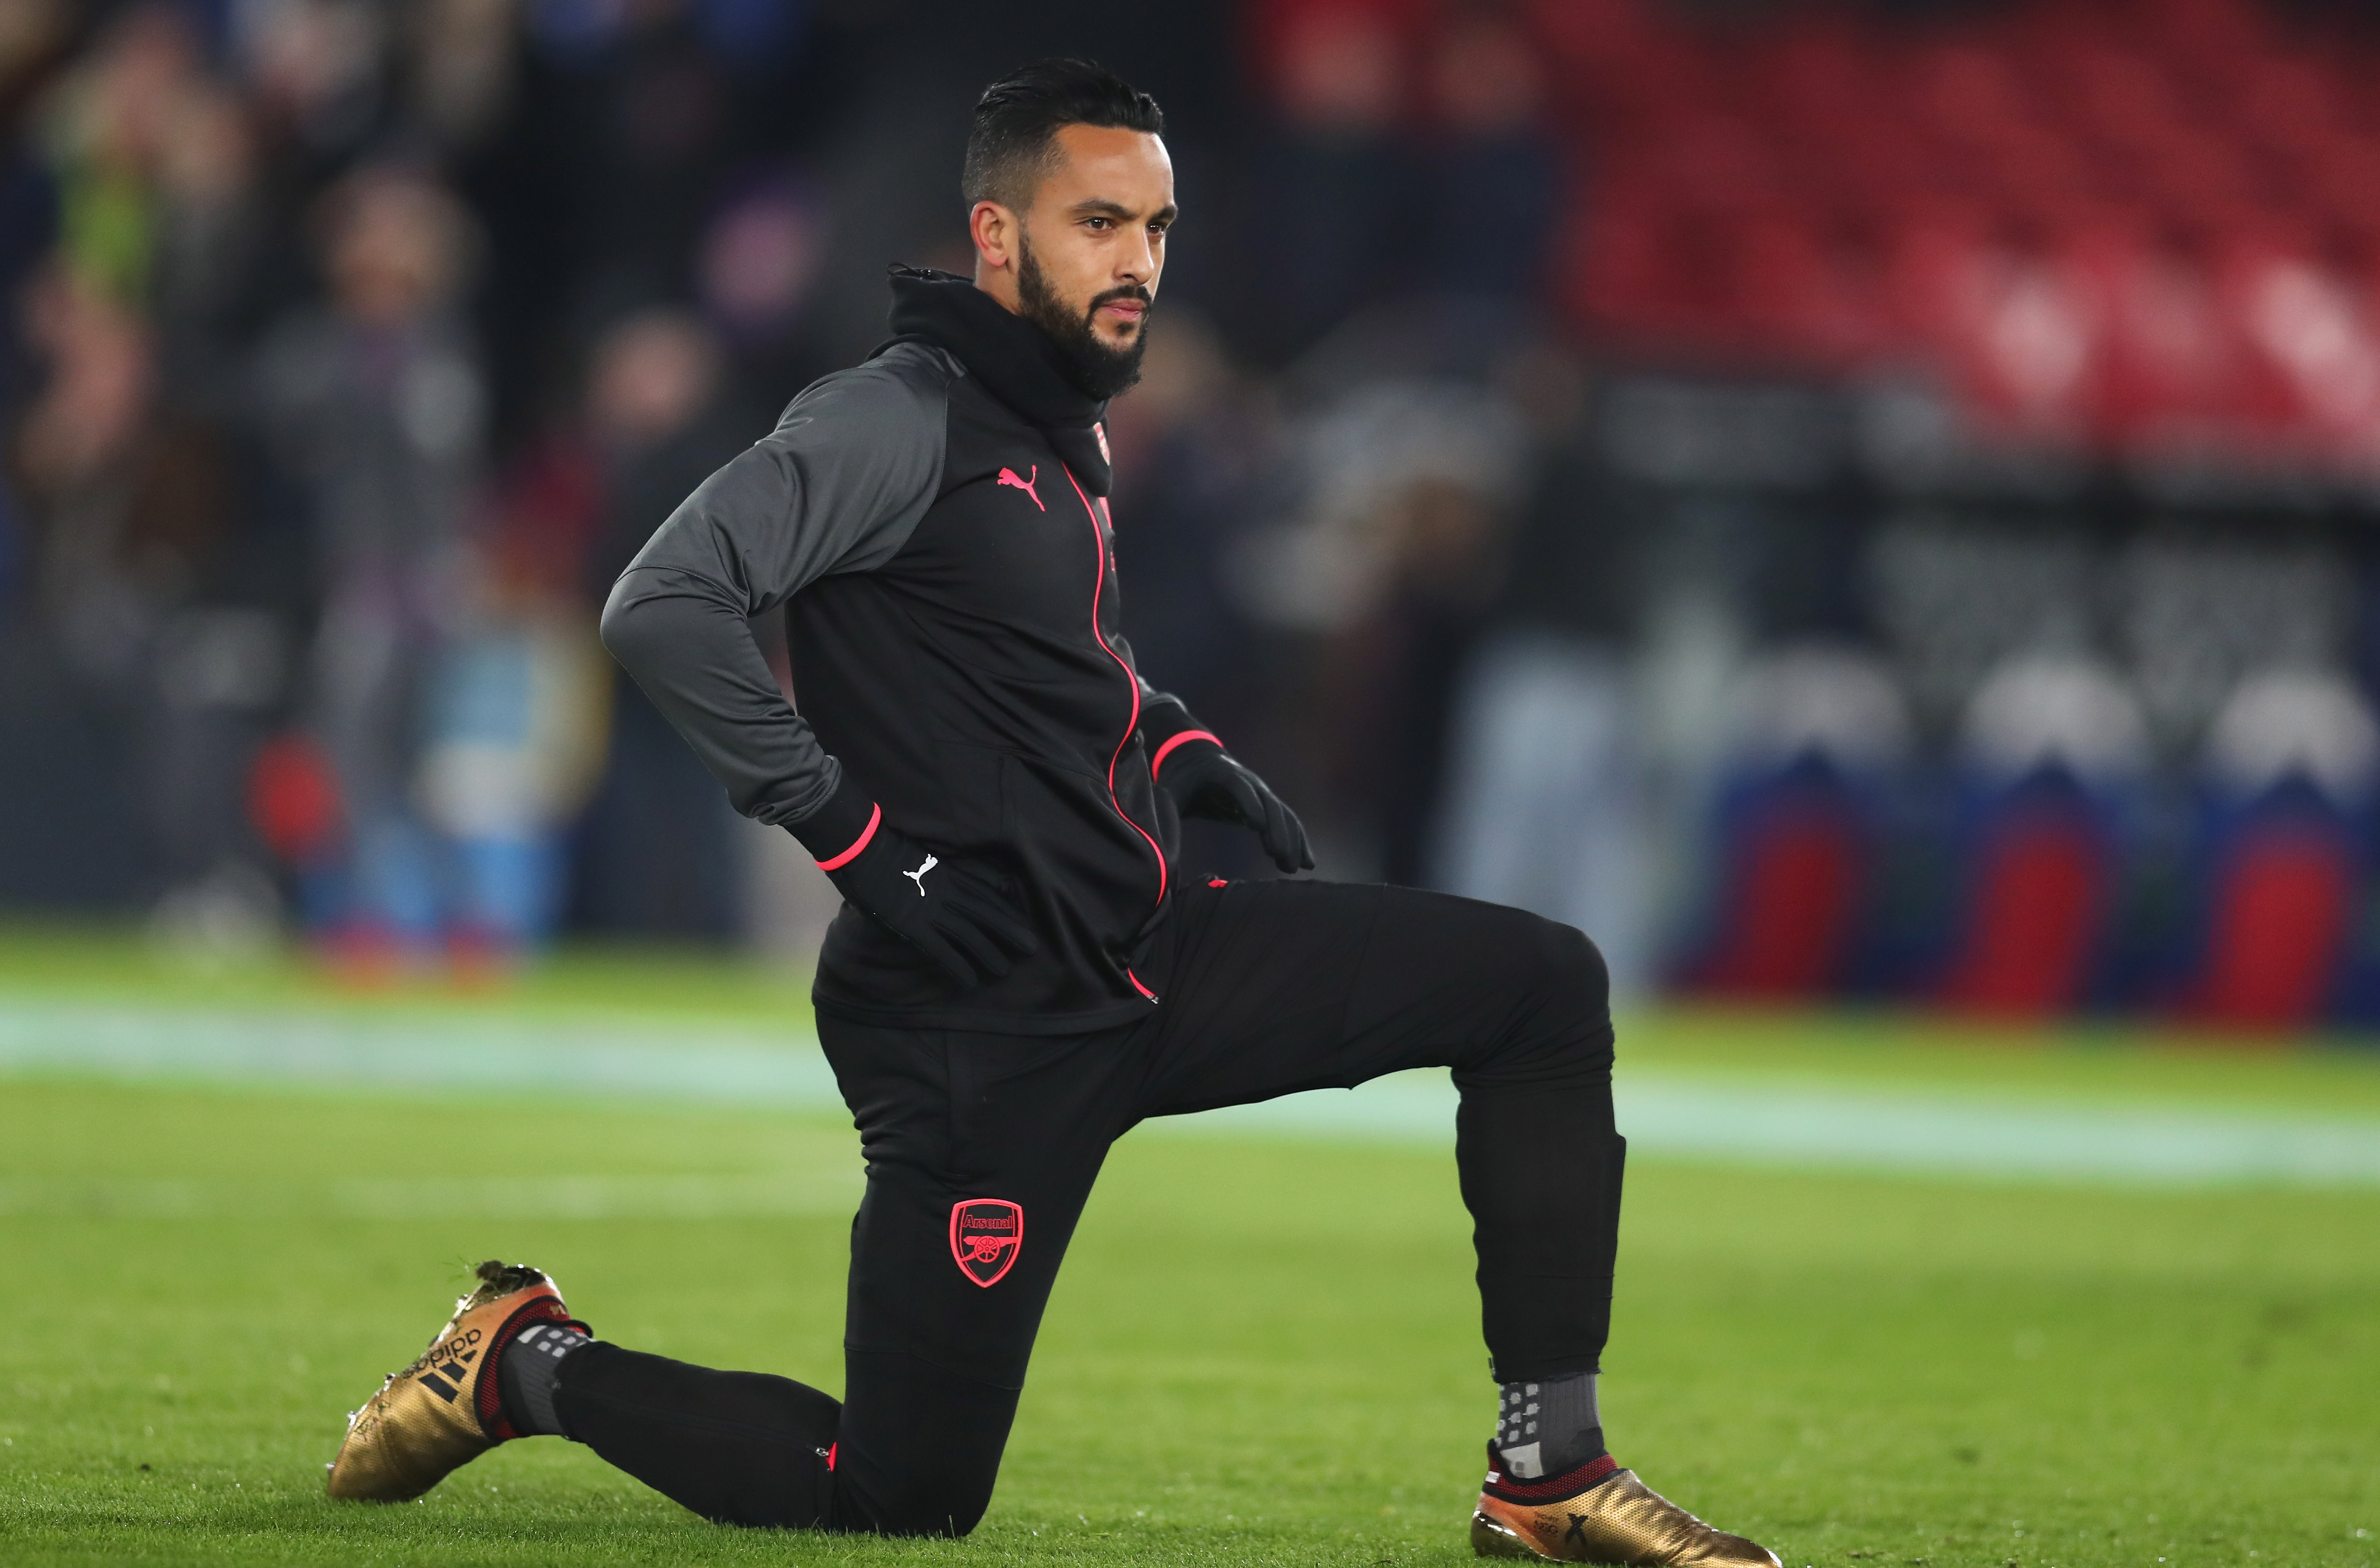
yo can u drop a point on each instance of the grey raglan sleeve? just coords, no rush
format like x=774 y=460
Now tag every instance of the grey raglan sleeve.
x=838 y=486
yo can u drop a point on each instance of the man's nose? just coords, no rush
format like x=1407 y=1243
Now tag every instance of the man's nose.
x=1137 y=263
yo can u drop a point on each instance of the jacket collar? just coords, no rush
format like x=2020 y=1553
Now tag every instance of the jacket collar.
x=1017 y=362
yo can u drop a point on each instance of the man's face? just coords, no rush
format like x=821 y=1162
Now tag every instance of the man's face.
x=1085 y=258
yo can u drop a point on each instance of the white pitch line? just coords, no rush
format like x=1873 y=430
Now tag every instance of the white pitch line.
x=1857 y=1128
x=510 y=1197
x=412 y=1050
x=1736 y=1121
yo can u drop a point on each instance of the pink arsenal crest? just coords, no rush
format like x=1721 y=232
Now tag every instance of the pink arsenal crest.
x=985 y=1235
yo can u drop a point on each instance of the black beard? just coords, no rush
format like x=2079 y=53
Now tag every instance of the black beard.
x=1099 y=369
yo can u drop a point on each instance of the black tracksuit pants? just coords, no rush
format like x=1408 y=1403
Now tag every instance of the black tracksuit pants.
x=982 y=1148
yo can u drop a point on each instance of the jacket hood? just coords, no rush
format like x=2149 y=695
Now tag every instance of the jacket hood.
x=1015 y=360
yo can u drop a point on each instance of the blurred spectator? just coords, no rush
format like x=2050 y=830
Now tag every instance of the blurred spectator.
x=657 y=854
x=76 y=445
x=1542 y=804
x=1445 y=543
x=642 y=119
x=31 y=36
x=133 y=508
x=755 y=264
x=1394 y=557
x=210 y=243
x=660 y=418
x=513 y=727
x=1194 y=450
x=461 y=67
x=317 y=78
x=373 y=404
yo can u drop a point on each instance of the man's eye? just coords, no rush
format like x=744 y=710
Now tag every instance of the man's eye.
x=1098 y=223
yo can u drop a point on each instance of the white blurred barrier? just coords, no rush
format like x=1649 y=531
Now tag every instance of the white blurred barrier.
x=2310 y=723
x=1541 y=809
x=1731 y=1120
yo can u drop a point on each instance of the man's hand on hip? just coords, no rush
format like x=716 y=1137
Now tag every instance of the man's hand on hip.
x=1206 y=781
x=953 y=911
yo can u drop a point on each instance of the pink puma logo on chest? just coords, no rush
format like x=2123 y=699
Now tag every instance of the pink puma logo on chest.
x=1008 y=476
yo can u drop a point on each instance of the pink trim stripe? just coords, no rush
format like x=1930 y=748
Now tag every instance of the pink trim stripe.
x=875 y=815
x=1171 y=741
x=1100 y=562
x=1138 y=987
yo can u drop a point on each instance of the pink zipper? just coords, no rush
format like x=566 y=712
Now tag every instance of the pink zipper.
x=1099 y=543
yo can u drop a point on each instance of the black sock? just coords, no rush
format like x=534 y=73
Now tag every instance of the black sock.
x=524 y=1375
x=1549 y=1429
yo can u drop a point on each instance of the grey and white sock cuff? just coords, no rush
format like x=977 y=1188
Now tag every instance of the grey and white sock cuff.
x=556 y=1340
x=1546 y=1428
x=531 y=1362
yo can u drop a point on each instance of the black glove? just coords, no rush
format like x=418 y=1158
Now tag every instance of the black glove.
x=1205 y=781
x=952 y=911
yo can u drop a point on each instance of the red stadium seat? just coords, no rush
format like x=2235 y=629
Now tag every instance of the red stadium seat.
x=2034 y=920
x=1820 y=72
x=2118 y=98
x=2289 y=102
x=2283 y=906
x=2341 y=179
x=1967 y=91
x=2070 y=209
x=2317 y=359
x=2173 y=358
x=1622 y=263
x=1789 y=907
x=2213 y=34
x=2027 y=344
x=1711 y=159
x=1795 y=290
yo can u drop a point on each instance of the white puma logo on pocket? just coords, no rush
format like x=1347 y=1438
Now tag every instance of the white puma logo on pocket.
x=919 y=876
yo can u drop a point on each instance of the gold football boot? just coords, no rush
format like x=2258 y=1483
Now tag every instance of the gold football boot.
x=442 y=1412
x=1613 y=1519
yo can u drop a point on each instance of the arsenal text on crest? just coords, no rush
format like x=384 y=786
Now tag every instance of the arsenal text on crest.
x=985 y=1235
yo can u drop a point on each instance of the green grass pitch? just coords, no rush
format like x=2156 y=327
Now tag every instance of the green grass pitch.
x=1262 y=1350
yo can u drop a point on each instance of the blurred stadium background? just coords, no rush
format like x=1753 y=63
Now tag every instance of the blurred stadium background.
x=1862 y=501
x=1867 y=508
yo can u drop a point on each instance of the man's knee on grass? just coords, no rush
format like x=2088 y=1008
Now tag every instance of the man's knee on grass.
x=932 y=1506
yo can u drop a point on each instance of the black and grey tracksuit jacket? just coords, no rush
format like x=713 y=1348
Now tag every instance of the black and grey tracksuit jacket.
x=934 y=523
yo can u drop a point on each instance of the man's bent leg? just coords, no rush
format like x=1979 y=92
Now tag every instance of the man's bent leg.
x=1277 y=987
x=1540 y=1159
x=981 y=1150
x=913 y=1450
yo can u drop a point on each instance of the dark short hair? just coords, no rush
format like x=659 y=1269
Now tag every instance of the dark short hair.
x=1018 y=117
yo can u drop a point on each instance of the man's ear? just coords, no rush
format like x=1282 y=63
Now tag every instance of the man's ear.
x=995 y=231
